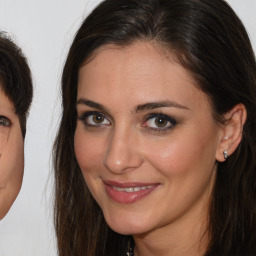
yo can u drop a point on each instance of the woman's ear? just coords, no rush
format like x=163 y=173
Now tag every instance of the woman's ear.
x=232 y=130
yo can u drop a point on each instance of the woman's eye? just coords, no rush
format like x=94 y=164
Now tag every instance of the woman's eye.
x=94 y=119
x=159 y=122
x=4 y=121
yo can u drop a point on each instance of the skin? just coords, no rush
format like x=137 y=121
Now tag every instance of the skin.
x=126 y=146
x=12 y=155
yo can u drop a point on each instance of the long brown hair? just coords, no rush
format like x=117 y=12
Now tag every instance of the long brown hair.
x=210 y=41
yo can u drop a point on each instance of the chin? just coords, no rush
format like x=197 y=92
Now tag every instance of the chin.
x=4 y=207
x=7 y=198
x=128 y=230
x=127 y=225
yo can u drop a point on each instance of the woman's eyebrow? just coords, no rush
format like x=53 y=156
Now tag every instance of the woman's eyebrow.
x=160 y=104
x=92 y=104
x=139 y=108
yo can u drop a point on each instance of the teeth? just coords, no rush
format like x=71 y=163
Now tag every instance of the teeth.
x=132 y=189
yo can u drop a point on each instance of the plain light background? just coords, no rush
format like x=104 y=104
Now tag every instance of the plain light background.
x=44 y=30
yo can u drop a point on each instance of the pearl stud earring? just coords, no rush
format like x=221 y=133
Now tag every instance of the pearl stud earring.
x=225 y=153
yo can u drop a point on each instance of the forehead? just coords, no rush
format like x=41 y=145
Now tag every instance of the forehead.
x=136 y=73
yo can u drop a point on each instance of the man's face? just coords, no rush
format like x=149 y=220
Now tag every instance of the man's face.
x=11 y=154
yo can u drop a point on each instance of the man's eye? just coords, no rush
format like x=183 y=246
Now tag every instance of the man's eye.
x=4 y=121
x=159 y=122
x=94 y=119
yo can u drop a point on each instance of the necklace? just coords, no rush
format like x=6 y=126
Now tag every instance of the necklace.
x=130 y=248
x=130 y=253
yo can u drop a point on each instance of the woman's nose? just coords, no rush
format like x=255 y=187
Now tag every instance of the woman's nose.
x=122 y=152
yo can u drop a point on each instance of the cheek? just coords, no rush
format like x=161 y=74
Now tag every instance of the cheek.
x=88 y=151
x=177 y=155
x=170 y=158
x=89 y=154
x=4 y=135
x=12 y=161
x=11 y=171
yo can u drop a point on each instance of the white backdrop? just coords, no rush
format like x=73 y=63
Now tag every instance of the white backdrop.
x=44 y=30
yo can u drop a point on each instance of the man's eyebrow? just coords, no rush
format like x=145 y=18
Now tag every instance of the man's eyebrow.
x=160 y=104
x=92 y=104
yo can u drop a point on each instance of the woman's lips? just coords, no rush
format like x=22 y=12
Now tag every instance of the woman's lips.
x=128 y=192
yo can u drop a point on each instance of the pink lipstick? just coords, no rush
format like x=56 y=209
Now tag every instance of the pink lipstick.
x=128 y=192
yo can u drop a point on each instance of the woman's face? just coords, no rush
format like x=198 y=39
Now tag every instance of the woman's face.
x=145 y=139
x=11 y=154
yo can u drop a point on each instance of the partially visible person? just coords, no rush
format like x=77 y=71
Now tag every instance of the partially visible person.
x=15 y=99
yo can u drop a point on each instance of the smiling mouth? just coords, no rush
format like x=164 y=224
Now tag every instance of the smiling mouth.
x=127 y=193
x=132 y=189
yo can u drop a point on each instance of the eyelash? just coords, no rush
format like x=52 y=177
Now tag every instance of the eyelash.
x=170 y=122
x=85 y=116
x=4 y=121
